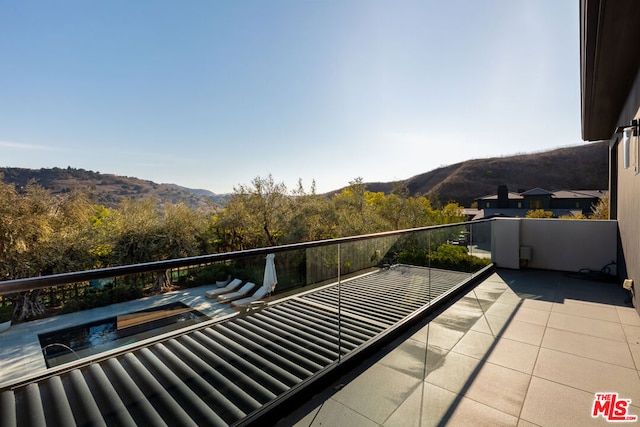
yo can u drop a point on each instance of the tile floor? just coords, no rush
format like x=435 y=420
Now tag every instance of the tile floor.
x=524 y=348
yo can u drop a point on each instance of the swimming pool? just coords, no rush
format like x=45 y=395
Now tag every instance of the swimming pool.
x=77 y=342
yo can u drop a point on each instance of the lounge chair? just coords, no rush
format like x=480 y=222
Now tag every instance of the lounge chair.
x=259 y=294
x=244 y=291
x=232 y=286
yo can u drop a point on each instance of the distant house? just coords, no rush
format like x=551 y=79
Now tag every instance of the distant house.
x=563 y=202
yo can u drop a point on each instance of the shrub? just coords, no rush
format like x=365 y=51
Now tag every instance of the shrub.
x=210 y=274
x=539 y=213
x=448 y=257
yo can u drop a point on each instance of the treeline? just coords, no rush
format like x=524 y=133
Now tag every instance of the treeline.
x=43 y=234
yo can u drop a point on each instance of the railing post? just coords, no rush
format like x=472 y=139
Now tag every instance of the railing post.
x=429 y=275
x=339 y=306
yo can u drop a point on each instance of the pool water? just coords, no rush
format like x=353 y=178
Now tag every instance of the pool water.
x=77 y=342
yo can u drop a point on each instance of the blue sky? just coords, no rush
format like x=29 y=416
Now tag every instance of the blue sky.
x=210 y=94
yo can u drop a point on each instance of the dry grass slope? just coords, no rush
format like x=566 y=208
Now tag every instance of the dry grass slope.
x=583 y=167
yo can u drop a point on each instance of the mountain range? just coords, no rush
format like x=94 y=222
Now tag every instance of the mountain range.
x=109 y=189
x=582 y=167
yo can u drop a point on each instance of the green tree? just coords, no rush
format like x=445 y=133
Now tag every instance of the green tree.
x=449 y=214
x=255 y=215
x=70 y=221
x=183 y=232
x=139 y=232
x=312 y=217
x=395 y=210
x=141 y=238
x=355 y=210
x=41 y=234
x=13 y=234
x=419 y=213
x=104 y=232
x=270 y=204
x=230 y=225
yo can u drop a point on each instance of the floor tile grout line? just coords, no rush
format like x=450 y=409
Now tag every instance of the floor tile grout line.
x=484 y=404
x=535 y=363
x=631 y=309
x=587 y=334
x=484 y=313
x=588 y=358
x=487 y=362
x=528 y=308
x=592 y=336
x=586 y=317
x=424 y=374
x=460 y=395
x=633 y=359
x=519 y=321
x=572 y=387
x=420 y=384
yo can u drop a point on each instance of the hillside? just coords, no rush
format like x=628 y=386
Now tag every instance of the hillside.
x=108 y=189
x=583 y=167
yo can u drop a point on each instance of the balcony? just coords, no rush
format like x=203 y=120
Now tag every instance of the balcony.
x=521 y=348
x=412 y=341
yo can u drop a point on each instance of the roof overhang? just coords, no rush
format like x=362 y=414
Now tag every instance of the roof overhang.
x=609 y=61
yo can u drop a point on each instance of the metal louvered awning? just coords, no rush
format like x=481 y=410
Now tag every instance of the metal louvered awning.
x=222 y=373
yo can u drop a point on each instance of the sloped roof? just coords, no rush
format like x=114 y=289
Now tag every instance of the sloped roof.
x=537 y=192
x=579 y=194
x=560 y=194
x=511 y=195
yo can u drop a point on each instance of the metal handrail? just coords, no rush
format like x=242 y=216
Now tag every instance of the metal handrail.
x=26 y=284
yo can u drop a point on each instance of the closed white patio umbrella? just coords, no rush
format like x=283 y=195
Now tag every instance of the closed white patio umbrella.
x=270 y=279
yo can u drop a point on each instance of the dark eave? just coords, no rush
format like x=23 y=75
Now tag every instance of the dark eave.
x=609 y=61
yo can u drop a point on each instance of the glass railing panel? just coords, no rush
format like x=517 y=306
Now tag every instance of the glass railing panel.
x=448 y=248
x=321 y=265
x=480 y=238
x=116 y=311
x=360 y=285
x=412 y=249
x=90 y=294
x=103 y=315
x=363 y=292
x=318 y=301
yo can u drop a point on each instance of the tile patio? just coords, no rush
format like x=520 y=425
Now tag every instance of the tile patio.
x=523 y=348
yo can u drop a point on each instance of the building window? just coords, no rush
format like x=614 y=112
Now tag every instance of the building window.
x=535 y=204
x=487 y=205
x=519 y=205
x=577 y=204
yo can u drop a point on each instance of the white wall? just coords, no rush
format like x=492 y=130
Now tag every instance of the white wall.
x=556 y=244
x=506 y=243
